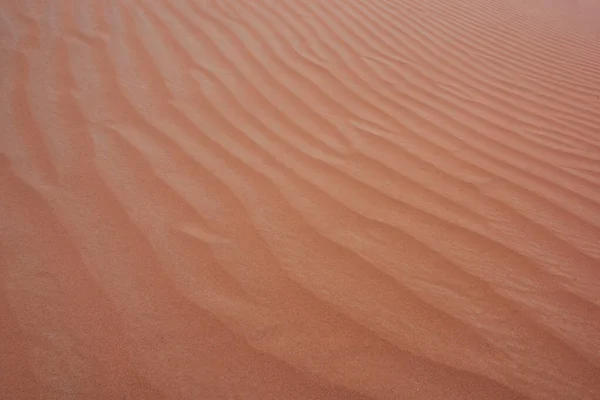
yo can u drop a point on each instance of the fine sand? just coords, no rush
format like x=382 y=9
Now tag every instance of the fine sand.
x=300 y=199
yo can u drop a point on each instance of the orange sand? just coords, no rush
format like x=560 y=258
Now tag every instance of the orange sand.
x=300 y=199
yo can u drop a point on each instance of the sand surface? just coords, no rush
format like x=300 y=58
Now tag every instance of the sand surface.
x=300 y=199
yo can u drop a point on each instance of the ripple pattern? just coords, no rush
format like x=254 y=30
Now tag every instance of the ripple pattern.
x=300 y=199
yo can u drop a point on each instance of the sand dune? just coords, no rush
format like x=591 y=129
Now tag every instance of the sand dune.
x=300 y=199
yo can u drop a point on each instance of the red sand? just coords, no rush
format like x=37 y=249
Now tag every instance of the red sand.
x=294 y=199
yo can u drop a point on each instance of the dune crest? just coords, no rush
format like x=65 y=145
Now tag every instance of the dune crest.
x=300 y=199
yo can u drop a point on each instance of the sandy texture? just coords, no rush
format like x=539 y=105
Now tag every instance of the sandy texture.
x=302 y=199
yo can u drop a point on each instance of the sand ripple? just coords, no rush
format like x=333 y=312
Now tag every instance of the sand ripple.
x=300 y=199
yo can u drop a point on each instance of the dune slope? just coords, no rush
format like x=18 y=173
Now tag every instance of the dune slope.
x=372 y=199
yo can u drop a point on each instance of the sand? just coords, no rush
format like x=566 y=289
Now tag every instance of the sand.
x=300 y=199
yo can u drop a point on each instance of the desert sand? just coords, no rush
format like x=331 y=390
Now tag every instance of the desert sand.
x=300 y=199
